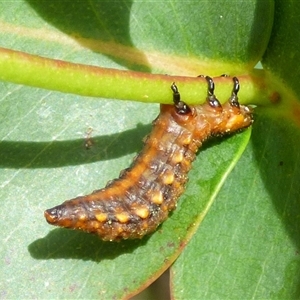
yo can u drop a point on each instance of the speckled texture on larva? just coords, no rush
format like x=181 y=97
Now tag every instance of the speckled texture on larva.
x=142 y=197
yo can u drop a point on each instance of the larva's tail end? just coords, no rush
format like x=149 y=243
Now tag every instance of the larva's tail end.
x=51 y=215
x=65 y=216
x=58 y=216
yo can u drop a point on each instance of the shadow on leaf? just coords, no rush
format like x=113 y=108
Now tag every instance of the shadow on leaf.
x=18 y=154
x=63 y=243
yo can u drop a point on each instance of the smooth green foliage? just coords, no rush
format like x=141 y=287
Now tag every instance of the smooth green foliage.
x=283 y=50
x=247 y=246
x=201 y=30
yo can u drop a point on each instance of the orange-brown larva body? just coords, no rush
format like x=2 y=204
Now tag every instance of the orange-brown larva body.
x=144 y=194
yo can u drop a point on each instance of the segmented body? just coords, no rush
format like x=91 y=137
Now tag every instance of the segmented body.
x=144 y=194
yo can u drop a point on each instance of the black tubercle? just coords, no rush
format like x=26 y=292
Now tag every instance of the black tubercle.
x=234 y=100
x=211 y=98
x=181 y=107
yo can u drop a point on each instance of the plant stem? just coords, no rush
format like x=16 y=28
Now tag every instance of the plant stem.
x=23 y=68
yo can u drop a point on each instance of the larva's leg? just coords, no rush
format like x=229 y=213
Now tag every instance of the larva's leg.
x=234 y=100
x=176 y=94
x=180 y=106
x=211 y=97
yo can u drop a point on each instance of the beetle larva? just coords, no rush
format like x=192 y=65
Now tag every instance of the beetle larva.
x=142 y=197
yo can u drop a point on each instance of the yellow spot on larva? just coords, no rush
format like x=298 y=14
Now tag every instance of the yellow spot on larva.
x=82 y=217
x=168 y=177
x=186 y=140
x=119 y=229
x=145 y=225
x=142 y=212
x=164 y=207
x=177 y=158
x=101 y=217
x=94 y=224
x=157 y=197
x=122 y=217
x=177 y=186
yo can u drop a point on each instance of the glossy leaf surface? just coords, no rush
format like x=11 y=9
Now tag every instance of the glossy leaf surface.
x=44 y=159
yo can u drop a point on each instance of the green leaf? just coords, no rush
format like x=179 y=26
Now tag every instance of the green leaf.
x=36 y=175
x=282 y=51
